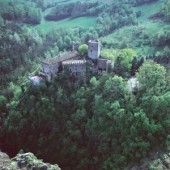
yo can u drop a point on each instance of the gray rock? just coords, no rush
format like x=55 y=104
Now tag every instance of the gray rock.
x=26 y=161
x=166 y=162
x=44 y=167
x=4 y=160
x=22 y=163
x=153 y=155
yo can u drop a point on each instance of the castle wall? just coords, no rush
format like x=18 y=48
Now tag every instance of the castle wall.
x=71 y=61
x=103 y=64
x=75 y=66
x=47 y=68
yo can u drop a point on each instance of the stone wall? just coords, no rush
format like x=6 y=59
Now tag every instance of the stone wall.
x=48 y=68
x=103 y=64
x=75 y=66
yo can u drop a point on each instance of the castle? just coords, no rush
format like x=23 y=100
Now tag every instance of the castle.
x=72 y=62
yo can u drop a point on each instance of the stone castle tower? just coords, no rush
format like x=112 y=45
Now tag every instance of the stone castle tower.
x=94 y=48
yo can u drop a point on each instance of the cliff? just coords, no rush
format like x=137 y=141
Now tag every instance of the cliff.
x=156 y=160
x=26 y=161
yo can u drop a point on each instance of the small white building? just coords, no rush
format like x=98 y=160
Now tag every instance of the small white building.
x=35 y=80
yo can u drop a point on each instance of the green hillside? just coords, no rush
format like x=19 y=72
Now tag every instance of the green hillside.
x=82 y=22
x=146 y=27
x=91 y=108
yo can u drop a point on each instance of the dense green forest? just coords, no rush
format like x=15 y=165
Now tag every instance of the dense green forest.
x=96 y=124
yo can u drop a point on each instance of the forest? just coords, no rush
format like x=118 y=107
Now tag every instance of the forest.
x=100 y=123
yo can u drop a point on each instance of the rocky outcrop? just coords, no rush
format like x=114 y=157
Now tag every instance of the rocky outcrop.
x=26 y=161
x=156 y=160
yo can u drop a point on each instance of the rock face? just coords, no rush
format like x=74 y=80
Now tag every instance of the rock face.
x=26 y=161
x=156 y=160
x=4 y=160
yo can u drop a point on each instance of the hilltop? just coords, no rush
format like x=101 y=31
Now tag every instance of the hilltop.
x=31 y=30
x=99 y=123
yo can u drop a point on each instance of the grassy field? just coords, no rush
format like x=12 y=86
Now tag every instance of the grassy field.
x=126 y=34
x=125 y=37
x=81 y=22
x=148 y=10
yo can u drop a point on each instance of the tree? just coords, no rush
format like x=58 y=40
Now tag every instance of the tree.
x=83 y=49
x=1 y=21
x=123 y=62
x=151 y=77
x=3 y=101
x=109 y=54
x=165 y=10
x=42 y=4
x=94 y=82
x=67 y=41
x=34 y=16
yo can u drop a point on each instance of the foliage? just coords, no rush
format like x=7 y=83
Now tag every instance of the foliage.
x=100 y=124
x=165 y=10
x=19 y=46
x=73 y=10
x=83 y=49
x=140 y=2
x=21 y=12
x=110 y=54
x=151 y=77
x=2 y=101
x=123 y=63
x=161 y=38
x=115 y=16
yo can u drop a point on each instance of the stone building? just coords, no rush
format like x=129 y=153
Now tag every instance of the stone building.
x=94 y=48
x=50 y=67
x=75 y=67
x=103 y=64
x=73 y=63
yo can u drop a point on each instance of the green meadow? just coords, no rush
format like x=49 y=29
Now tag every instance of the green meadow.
x=81 y=22
x=125 y=35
